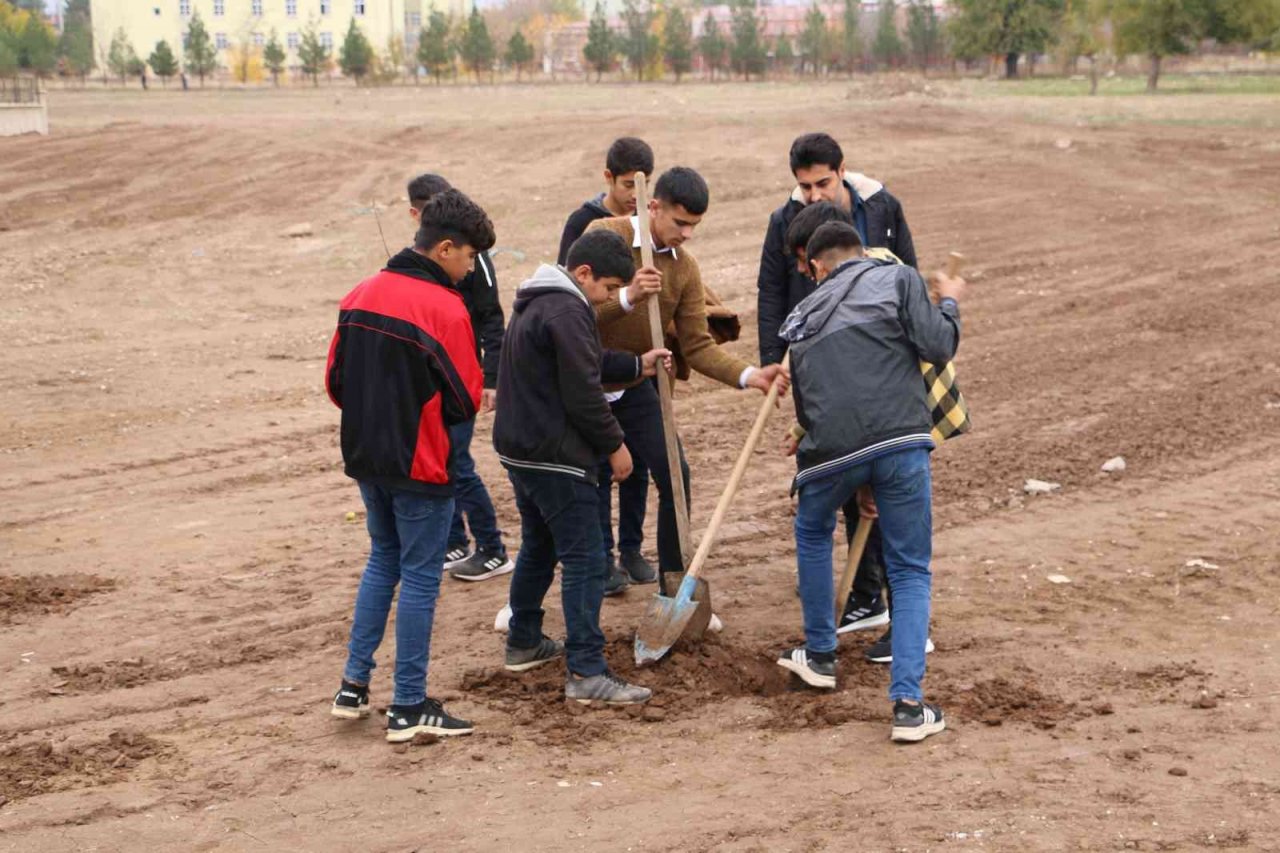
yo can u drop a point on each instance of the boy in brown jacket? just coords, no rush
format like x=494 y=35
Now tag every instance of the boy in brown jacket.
x=680 y=200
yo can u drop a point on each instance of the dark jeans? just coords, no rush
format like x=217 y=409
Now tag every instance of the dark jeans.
x=639 y=413
x=407 y=534
x=558 y=521
x=633 y=494
x=470 y=497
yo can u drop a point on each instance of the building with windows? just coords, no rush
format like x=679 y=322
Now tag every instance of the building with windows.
x=234 y=22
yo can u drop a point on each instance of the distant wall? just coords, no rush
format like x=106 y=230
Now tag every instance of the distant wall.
x=16 y=119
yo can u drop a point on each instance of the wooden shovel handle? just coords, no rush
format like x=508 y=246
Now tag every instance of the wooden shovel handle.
x=664 y=383
x=856 y=547
x=735 y=478
x=955 y=262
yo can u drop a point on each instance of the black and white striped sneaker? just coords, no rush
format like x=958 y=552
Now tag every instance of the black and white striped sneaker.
x=429 y=717
x=352 y=701
x=816 y=670
x=520 y=660
x=482 y=565
x=861 y=614
x=455 y=557
x=913 y=723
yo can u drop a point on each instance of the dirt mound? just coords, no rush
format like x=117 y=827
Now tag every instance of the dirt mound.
x=41 y=768
x=999 y=700
x=108 y=675
x=43 y=594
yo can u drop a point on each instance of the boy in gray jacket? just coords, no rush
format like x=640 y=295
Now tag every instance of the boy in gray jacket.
x=856 y=346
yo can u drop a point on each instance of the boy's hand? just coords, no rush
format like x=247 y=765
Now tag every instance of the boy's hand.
x=649 y=362
x=647 y=282
x=620 y=462
x=867 y=503
x=763 y=377
x=944 y=286
x=790 y=444
x=488 y=399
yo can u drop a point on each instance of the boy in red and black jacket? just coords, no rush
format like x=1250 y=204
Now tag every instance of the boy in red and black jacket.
x=403 y=369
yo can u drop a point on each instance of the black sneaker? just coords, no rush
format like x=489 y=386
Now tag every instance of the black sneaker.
x=861 y=614
x=637 y=567
x=916 y=722
x=482 y=565
x=457 y=555
x=819 y=671
x=519 y=660
x=617 y=581
x=429 y=717
x=881 y=651
x=352 y=701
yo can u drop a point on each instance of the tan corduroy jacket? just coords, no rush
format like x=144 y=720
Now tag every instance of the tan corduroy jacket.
x=682 y=305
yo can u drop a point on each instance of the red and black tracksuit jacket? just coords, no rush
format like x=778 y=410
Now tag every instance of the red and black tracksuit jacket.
x=403 y=368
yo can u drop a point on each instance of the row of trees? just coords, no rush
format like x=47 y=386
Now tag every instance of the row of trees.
x=441 y=44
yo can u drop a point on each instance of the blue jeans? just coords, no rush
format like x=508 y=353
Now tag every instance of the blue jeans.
x=559 y=521
x=408 y=532
x=470 y=496
x=903 y=485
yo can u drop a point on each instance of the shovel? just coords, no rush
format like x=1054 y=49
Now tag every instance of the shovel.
x=856 y=547
x=667 y=617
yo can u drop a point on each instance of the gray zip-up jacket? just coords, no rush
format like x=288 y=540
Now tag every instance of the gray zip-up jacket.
x=856 y=347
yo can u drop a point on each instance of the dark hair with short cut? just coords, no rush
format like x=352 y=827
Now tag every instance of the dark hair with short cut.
x=685 y=187
x=605 y=252
x=450 y=215
x=832 y=235
x=815 y=149
x=423 y=187
x=807 y=221
x=627 y=155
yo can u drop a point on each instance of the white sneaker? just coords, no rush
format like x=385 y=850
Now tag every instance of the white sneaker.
x=502 y=623
x=715 y=626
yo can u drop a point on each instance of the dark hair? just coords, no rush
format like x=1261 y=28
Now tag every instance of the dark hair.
x=627 y=155
x=807 y=221
x=605 y=252
x=450 y=215
x=685 y=187
x=815 y=149
x=423 y=187
x=832 y=235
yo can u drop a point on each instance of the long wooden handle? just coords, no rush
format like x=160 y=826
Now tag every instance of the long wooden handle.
x=955 y=261
x=664 y=383
x=856 y=547
x=735 y=478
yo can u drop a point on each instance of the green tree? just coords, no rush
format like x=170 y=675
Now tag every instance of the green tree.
x=36 y=45
x=1083 y=34
x=273 y=56
x=1008 y=28
x=712 y=46
x=433 y=45
x=677 y=42
x=887 y=47
x=202 y=59
x=75 y=46
x=519 y=52
x=924 y=33
x=747 y=50
x=784 y=55
x=355 y=57
x=600 y=48
x=813 y=39
x=1157 y=28
x=8 y=57
x=313 y=56
x=121 y=56
x=638 y=44
x=850 y=36
x=163 y=62
x=477 y=45
x=1255 y=23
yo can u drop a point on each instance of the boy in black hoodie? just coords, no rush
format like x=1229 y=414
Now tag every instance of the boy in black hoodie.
x=626 y=157
x=551 y=430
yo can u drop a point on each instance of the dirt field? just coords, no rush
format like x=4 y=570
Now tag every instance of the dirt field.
x=177 y=571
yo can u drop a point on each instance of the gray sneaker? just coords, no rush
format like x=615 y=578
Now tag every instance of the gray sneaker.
x=616 y=582
x=519 y=660
x=605 y=687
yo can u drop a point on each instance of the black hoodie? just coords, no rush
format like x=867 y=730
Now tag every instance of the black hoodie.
x=553 y=416
x=577 y=223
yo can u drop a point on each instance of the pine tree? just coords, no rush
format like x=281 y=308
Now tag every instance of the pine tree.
x=638 y=44
x=851 y=37
x=202 y=59
x=712 y=45
x=433 y=45
x=924 y=33
x=600 y=49
x=888 y=46
x=37 y=46
x=75 y=47
x=313 y=56
x=163 y=62
x=477 y=45
x=813 y=39
x=784 y=54
x=746 y=50
x=356 y=55
x=274 y=57
x=519 y=52
x=121 y=56
x=677 y=42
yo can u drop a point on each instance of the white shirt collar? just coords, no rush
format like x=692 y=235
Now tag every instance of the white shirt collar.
x=635 y=244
